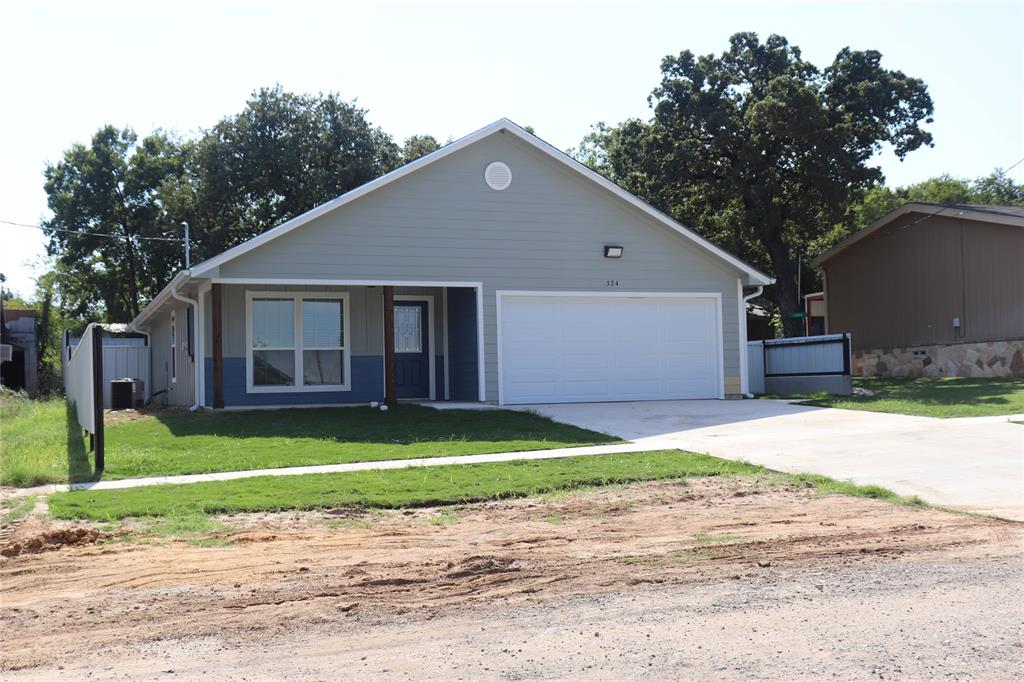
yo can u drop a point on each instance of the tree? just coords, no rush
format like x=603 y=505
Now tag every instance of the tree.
x=106 y=214
x=761 y=151
x=281 y=156
x=417 y=146
x=994 y=189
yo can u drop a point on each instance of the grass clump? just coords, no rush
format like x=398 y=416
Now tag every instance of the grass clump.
x=16 y=508
x=710 y=539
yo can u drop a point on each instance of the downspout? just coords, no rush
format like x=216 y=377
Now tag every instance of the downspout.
x=195 y=363
x=757 y=292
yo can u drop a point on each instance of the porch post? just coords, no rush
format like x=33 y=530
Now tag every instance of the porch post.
x=218 y=347
x=390 y=399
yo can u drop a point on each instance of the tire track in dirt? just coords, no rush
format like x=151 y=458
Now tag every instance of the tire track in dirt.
x=290 y=573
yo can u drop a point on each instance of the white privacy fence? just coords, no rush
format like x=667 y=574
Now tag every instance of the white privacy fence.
x=80 y=378
x=123 y=358
x=805 y=364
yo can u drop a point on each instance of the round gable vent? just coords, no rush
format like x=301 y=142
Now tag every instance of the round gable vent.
x=498 y=176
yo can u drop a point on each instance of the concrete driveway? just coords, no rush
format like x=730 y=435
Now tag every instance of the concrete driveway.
x=972 y=464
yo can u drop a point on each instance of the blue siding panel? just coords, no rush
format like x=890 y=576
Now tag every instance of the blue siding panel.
x=462 y=344
x=439 y=376
x=367 y=386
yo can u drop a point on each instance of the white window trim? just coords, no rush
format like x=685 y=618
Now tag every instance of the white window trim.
x=174 y=348
x=298 y=297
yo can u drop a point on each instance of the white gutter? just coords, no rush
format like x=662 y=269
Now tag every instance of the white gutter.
x=195 y=317
x=757 y=292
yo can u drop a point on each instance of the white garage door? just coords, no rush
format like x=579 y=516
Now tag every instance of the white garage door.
x=560 y=349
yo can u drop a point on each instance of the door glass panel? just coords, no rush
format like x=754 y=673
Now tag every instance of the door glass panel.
x=408 y=329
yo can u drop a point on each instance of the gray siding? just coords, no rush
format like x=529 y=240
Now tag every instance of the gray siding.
x=178 y=393
x=903 y=285
x=545 y=232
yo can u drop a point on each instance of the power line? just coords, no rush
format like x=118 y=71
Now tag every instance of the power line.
x=92 y=234
x=1007 y=170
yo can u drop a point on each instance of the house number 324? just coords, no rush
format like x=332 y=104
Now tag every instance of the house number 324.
x=613 y=282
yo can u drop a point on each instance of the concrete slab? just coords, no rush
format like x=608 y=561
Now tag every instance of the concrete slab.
x=968 y=464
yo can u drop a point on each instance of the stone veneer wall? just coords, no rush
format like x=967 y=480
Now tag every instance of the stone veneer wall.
x=986 y=359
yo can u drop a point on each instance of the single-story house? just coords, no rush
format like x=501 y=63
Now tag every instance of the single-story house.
x=512 y=273
x=931 y=290
x=18 y=331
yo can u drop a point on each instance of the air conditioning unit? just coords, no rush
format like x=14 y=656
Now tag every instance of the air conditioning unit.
x=127 y=394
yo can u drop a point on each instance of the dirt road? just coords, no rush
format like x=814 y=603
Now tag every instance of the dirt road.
x=716 y=578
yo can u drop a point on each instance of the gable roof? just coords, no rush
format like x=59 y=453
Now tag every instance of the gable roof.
x=754 y=277
x=1003 y=215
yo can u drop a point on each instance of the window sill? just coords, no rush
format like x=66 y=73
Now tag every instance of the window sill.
x=299 y=389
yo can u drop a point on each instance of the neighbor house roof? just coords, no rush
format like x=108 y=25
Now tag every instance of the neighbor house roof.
x=204 y=269
x=1004 y=215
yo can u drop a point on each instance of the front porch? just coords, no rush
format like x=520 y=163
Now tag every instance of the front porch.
x=280 y=343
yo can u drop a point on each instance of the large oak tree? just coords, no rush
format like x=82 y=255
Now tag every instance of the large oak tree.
x=762 y=151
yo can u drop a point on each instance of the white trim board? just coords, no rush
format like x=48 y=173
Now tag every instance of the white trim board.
x=715 y=296
x=503 y=125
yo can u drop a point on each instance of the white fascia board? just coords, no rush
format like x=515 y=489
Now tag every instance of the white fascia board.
x=753 y=277
x=160 y=299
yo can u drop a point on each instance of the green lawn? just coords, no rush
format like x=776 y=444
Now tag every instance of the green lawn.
x=420 y=486
x=41 y=442
x=941 y=397
x=36 y=444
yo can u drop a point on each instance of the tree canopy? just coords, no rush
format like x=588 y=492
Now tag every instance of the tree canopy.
x=118 y=202
x=106 y=207
x=762 y=151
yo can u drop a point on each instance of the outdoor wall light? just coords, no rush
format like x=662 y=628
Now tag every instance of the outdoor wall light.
x=612 y=251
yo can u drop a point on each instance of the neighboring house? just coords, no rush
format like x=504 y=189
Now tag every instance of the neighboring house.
x=814 y=313
x=18 y=330
x=517 y=274
x=931 y=290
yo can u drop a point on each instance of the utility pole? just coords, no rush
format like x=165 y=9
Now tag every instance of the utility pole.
x=188 y=264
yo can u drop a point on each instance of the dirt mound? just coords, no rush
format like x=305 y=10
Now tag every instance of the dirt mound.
x=51 y=540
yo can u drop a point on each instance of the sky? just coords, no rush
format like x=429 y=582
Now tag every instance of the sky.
x=449 y=68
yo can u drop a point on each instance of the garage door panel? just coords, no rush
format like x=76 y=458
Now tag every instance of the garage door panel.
x=582 y=349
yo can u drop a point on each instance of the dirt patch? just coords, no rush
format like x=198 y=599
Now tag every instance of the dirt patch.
x=35 y=534
x=111 y=417
x=282 y=574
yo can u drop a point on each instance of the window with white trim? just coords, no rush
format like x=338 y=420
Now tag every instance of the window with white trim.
x=297 y=342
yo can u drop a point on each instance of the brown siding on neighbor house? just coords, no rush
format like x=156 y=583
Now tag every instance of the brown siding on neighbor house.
x=903 y=285
x=994 y=272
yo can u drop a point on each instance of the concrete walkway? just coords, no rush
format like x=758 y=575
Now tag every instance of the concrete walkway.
x=356 y=466
x=972 y=464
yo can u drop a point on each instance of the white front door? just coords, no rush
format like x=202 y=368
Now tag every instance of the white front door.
x=593 y=348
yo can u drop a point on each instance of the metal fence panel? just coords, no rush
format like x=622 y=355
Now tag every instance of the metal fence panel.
x=800 y=365
x=124 y=362
x=807 y=356
x=755 y=367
